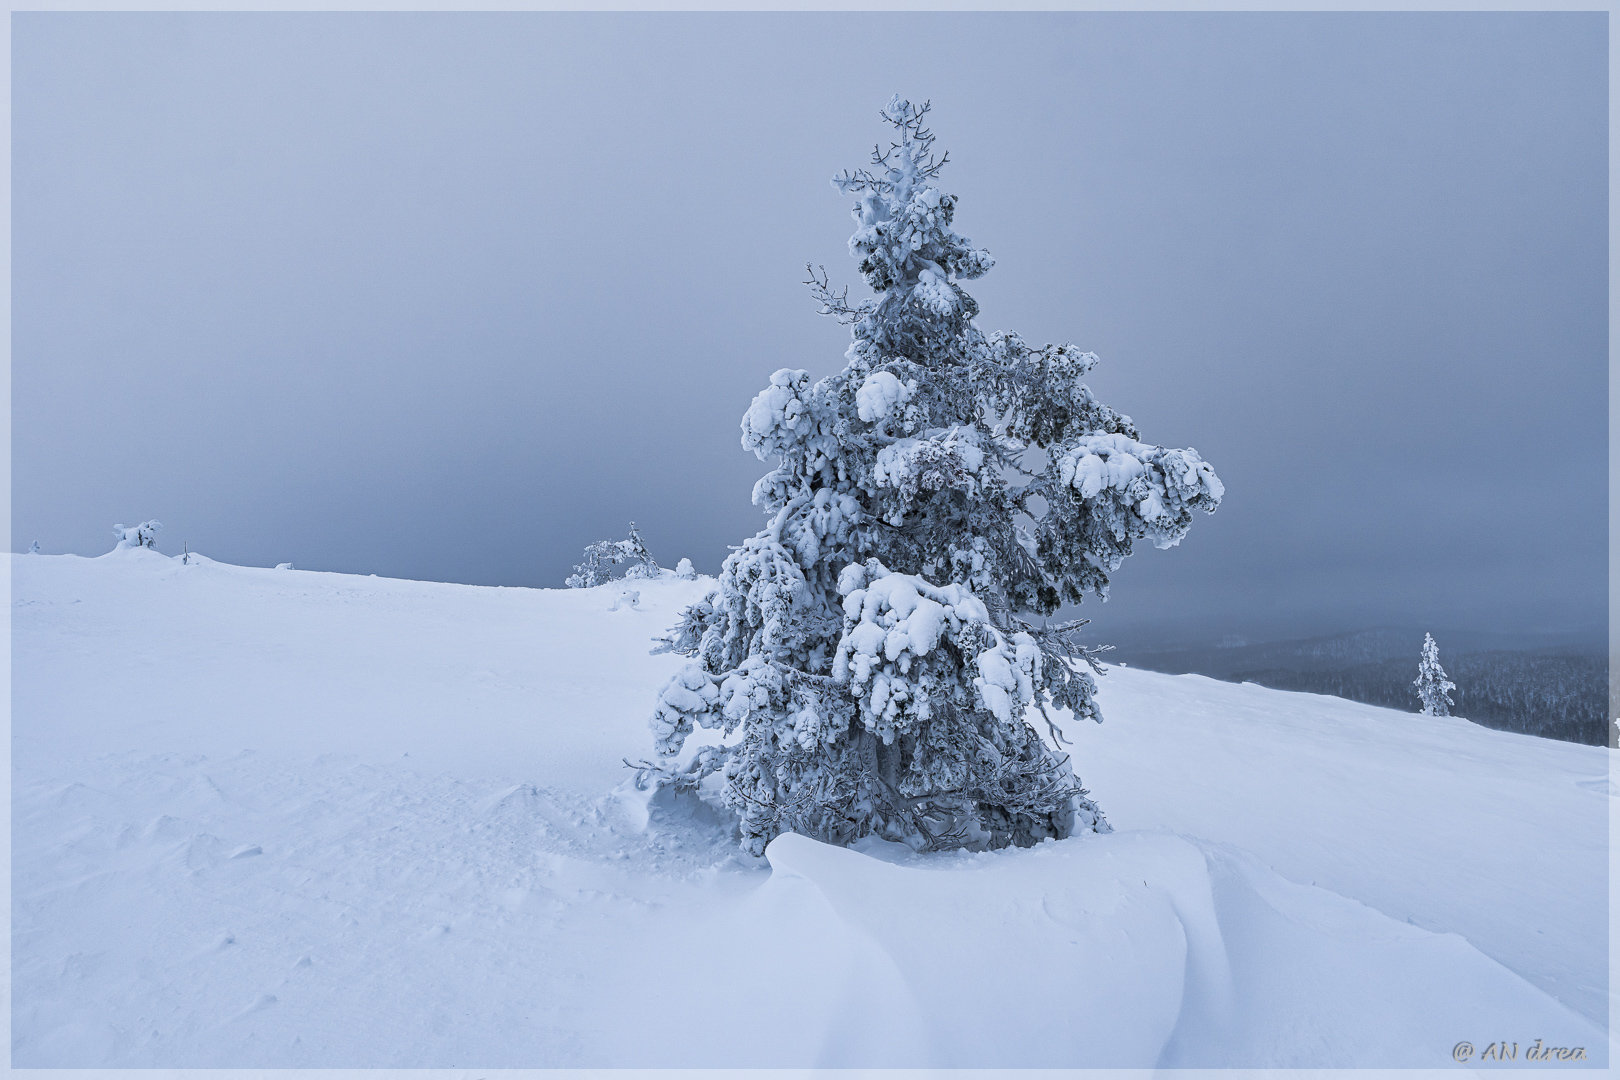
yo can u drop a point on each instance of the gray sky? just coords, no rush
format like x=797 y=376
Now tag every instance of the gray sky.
x=448 y=296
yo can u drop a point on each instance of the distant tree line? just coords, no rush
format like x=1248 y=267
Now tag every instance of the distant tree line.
x=1556 y=696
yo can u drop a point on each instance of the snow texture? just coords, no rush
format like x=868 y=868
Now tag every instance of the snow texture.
x=880 y=395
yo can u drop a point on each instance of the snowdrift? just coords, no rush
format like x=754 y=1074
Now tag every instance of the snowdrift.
x=289 y=819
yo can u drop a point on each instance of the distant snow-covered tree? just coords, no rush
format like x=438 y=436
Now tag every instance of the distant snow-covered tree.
x=604 y=556
x=1433 y=688
x=870 y=655
x=142 y=535
x=33 y=549
x=596 y=568
x=685 y=570
x=641 y=563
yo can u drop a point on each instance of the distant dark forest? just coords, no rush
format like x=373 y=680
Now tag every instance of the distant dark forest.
x=1554 y=691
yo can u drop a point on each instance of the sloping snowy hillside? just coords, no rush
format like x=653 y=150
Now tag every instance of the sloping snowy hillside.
x=281 y=818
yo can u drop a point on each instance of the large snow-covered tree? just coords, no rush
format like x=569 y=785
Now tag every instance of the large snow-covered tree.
x=870 y=655
x=1433 y=688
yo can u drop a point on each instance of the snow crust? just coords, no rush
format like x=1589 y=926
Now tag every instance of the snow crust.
x=293 y=819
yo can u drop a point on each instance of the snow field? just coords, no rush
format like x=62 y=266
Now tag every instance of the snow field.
x=292 y=819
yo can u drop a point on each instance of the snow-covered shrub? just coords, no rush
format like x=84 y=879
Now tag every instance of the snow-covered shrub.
x=869 y=657
x=1433 y=688
x=685 y=570
x=33 y=549
x=602 y=557
x=133 y=536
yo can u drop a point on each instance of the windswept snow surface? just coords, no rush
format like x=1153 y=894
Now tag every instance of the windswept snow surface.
x=282 y=818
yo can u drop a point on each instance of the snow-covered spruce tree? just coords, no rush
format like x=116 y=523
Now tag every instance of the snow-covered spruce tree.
x=869 y=655
x=1433 y=688
x=601 y=557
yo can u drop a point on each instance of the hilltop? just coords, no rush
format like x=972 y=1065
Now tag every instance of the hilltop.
x=280 y=818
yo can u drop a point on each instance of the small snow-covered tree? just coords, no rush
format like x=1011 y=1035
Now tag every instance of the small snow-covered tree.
x=132 y=536
x=641 y=563
x=870 y=655
x=33 y=549
x=1433 y=688
x=685 y=570
x=603 y=556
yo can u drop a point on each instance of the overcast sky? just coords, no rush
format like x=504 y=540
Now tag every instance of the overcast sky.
x=448 y=296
